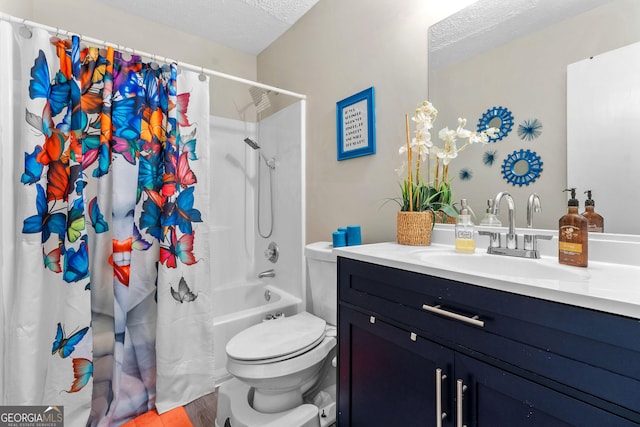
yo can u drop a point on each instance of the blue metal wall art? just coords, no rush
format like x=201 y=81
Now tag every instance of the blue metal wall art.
x=497 y=117
x=522 y=167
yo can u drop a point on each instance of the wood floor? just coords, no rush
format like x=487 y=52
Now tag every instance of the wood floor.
x=202 y=411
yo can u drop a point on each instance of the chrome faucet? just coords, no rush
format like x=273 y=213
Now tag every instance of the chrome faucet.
x=533 y=205
x=267 y=273
x=512 y=238
x=530 y=240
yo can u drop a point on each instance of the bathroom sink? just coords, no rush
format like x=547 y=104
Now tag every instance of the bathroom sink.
x=503 y=267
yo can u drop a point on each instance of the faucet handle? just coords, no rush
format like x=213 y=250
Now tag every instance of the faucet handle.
x=272 y=252
x=494 y=238
x=530 y=240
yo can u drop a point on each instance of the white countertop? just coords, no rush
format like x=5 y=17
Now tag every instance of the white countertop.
x=603 y=286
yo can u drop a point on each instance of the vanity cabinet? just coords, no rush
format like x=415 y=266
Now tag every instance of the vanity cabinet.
x=418 y=350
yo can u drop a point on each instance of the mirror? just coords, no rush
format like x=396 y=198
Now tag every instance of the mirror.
x=514 y=56
x=520 y=168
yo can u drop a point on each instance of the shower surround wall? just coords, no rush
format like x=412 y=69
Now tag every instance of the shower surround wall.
x=237 y=251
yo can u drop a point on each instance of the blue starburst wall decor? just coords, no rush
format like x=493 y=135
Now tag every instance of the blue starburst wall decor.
x=489 y=157
x=522 y=167
x=499 y=118
x=529 y=129
x=465 y=174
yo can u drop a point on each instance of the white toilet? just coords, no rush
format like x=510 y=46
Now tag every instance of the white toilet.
x=280 y=364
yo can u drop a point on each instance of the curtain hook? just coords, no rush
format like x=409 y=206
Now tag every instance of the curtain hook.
x=202 y=77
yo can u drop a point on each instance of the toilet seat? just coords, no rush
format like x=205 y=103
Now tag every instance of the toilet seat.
x=277 y=340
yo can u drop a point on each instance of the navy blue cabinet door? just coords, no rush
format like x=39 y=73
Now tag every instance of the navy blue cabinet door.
x=494 y=397
x=388 y=376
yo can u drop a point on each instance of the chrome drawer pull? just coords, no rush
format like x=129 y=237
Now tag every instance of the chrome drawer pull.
x=439 y=414
x=437 y=310
x=460 y=389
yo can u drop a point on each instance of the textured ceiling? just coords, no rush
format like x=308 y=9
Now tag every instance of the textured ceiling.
x=474 y=29
x=246 y=25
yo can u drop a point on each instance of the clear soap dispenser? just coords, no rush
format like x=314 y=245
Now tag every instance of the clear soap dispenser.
x=596 y=222
x=490 y=219
x=465 y=239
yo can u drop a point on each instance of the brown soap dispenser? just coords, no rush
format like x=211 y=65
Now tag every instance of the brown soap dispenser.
x=596 y=221
x=573 y=235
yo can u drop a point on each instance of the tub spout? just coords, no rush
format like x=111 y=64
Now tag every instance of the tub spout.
x=267 y=273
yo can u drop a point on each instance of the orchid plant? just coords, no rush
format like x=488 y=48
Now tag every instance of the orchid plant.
x=434 y=192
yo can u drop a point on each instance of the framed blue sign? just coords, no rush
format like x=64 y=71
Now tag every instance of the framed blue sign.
x=356 y=125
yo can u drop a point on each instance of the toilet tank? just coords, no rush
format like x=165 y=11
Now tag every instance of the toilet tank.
x=323 y=280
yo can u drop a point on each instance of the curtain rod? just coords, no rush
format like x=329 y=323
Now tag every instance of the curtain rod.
x=155 y=57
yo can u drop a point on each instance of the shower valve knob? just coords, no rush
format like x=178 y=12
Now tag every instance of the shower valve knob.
x=272 y=252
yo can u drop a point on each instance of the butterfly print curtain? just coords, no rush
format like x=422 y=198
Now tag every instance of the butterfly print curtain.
x=104 y=208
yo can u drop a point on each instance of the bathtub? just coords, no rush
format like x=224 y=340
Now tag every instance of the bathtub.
x=238 y=306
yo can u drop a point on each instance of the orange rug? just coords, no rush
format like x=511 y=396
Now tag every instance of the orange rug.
x=174 y=418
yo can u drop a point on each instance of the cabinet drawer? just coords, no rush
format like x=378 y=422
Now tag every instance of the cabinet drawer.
x=596 y=354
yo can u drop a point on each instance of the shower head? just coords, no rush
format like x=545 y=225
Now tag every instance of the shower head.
x=251 y=143
x=260 y=98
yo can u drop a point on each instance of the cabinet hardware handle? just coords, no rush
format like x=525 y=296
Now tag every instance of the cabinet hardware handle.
x=438 y=310
x=413 y=336
x=460 y=389
x=372 y=319
x=439 y=414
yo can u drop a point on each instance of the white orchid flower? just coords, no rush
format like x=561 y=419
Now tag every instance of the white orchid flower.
x=461 y=131
x=447 y=135
x=447 y=153
x=422 y=148
x=475 y=138
x=491 y=132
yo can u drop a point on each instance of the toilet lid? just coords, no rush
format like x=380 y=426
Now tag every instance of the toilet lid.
x=277 y=338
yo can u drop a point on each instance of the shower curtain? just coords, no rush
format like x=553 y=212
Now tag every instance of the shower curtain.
x=106 y=309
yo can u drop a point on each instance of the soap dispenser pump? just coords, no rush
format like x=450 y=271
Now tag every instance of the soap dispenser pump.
x=595 y=220
x=573 y=235
x=465 y=239
x=490 y=219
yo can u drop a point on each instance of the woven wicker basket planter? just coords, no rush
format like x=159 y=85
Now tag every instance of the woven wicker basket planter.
x=414 y=228
x=440 y=218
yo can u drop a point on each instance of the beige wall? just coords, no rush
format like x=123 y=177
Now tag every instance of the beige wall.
x=101 y=21
x=20 y=9
x=337 y=49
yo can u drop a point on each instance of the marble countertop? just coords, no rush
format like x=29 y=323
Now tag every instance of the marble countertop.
x=603 y=286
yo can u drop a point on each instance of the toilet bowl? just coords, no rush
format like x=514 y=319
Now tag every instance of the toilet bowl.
x=280 y=359
x=281 y=362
